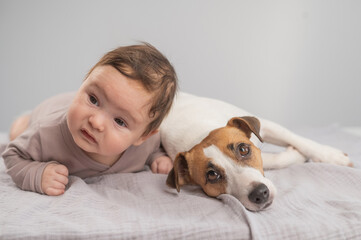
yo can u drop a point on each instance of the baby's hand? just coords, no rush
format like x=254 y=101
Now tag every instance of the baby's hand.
x=54 y=179
x=162 y=164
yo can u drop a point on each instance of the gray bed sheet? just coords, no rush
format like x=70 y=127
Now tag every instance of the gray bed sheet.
x=314 y=201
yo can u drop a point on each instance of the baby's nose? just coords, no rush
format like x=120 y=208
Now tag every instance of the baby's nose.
x=97 y=121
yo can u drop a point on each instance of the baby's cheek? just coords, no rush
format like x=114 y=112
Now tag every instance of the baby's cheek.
x=75 y=114
x=114 y=145
x=71 y=120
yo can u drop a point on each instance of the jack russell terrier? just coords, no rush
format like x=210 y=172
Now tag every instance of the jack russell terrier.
x=225 y=159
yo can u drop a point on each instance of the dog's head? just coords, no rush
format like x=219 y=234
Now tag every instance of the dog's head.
x=226 y=161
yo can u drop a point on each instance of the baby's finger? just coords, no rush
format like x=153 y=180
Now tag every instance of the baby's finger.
x=54 y=191
x=61 y=179
x=57 y=185
x=154 y=167
x=164 y=168
x=61 y=169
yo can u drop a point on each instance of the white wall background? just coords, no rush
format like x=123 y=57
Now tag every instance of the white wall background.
x=295 y=62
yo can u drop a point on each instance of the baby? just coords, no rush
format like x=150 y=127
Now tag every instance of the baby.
x=109 y=125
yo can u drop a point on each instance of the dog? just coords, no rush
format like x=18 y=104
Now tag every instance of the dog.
x=215 y=145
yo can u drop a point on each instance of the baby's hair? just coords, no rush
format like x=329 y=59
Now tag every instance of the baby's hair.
x=144 y=63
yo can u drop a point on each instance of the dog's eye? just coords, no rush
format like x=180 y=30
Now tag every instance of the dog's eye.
x=243 y=149
x=213 y=176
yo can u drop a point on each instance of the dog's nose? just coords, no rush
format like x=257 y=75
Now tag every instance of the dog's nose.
x=259 y=195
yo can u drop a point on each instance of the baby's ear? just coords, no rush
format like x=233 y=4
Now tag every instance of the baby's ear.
x=145 y=137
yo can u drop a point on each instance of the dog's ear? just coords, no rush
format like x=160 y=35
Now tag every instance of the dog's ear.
x=247 y=124
x=179 y=175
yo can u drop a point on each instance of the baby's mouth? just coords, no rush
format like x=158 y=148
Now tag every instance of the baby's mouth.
x=88 y=135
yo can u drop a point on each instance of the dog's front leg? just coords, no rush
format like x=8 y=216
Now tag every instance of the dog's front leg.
x=276 y=134
x=283 y=159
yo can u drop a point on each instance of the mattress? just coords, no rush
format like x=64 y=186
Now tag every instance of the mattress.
x=314 y=201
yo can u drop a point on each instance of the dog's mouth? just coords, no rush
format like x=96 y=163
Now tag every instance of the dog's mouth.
x=256 y=207
x=267 y=205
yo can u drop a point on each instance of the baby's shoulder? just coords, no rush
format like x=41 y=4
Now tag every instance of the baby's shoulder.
x=153 y=142
x=51 y=111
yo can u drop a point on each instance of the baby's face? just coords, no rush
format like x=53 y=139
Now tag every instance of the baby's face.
x=109 y=113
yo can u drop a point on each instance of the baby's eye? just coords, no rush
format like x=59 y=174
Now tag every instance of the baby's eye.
x=93 y=100
x=120 y=122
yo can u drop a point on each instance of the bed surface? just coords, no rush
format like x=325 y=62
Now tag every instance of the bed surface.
x=314 y=201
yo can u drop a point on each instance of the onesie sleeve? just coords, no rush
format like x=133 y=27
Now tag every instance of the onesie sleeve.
x=23 y=160
x=158 y=150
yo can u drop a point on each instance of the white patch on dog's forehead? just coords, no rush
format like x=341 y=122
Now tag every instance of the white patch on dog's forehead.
x=219 y=158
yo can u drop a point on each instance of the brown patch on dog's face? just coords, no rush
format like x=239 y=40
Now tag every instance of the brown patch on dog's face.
x=226 y=161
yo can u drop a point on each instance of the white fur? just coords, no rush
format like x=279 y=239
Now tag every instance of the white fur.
x=192 y=118
x=278 y=135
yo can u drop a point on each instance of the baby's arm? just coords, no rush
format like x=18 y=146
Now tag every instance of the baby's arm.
x=25 y=172
x=42 y=177
x=24 y=161
x=162 y=164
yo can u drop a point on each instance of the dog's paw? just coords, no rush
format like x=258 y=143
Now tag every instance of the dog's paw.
x=330 y=155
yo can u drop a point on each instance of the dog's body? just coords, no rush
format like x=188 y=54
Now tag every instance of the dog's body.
x=225 y=158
